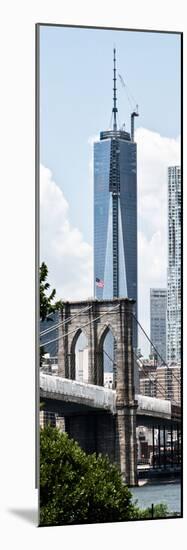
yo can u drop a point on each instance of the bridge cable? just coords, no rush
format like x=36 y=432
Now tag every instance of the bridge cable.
x=86 y=324
x=46 y=331
x=152 y=379
x=164 y=362
x=99 y=317
x=148 y=376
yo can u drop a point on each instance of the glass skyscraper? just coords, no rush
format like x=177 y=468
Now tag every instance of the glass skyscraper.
x=115 y=212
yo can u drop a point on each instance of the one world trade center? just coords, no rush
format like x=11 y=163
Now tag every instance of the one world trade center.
x=115 y=212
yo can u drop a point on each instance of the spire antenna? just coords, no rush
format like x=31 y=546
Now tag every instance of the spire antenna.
x=114 y=110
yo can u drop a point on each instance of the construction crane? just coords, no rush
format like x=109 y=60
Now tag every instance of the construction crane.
x=134 y=112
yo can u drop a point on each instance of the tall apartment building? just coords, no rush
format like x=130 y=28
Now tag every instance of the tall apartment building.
x=115 y=212
x=174 y=265
x=147 y=375
x=168 y=383
x=158 y=308
x=163 y=382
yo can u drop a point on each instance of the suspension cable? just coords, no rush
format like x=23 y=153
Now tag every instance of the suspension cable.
x=174 y=376
x=152 y=379
x=46 y=331
x=113 y=362
x=86 y=324
x=148 y=376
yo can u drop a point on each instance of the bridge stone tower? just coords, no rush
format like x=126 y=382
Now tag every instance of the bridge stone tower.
x=95 y=318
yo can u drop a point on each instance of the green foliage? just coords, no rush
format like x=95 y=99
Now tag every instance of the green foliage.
x=78 y=488
x=46 y=305
x=159 y=511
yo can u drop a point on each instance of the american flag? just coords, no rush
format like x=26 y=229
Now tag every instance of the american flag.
x=99 y=282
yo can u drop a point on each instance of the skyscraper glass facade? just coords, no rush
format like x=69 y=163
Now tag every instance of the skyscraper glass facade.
x=174 y=265
x=115 y=216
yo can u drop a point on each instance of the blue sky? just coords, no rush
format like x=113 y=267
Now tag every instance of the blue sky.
x=76 y=81
x=76 y=98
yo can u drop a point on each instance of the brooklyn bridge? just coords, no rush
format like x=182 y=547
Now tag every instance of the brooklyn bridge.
x=101 y=419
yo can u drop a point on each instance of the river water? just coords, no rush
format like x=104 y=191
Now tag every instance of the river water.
x=167 y=493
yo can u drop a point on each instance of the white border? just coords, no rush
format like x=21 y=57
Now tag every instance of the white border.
x=17 y=267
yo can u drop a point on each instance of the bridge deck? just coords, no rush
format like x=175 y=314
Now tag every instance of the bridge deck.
x=71 y=396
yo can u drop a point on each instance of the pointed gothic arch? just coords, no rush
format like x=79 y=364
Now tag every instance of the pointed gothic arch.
x=107 y=347
x=73 y=367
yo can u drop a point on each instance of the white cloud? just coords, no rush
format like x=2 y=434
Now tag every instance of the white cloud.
x=62 y=247
x=155 y=154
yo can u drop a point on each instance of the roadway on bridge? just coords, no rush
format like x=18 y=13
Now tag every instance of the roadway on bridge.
x=72 y=397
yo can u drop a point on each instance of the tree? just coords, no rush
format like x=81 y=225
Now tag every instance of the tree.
x=46 y=305
x=79 y=488
x=46 y=300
